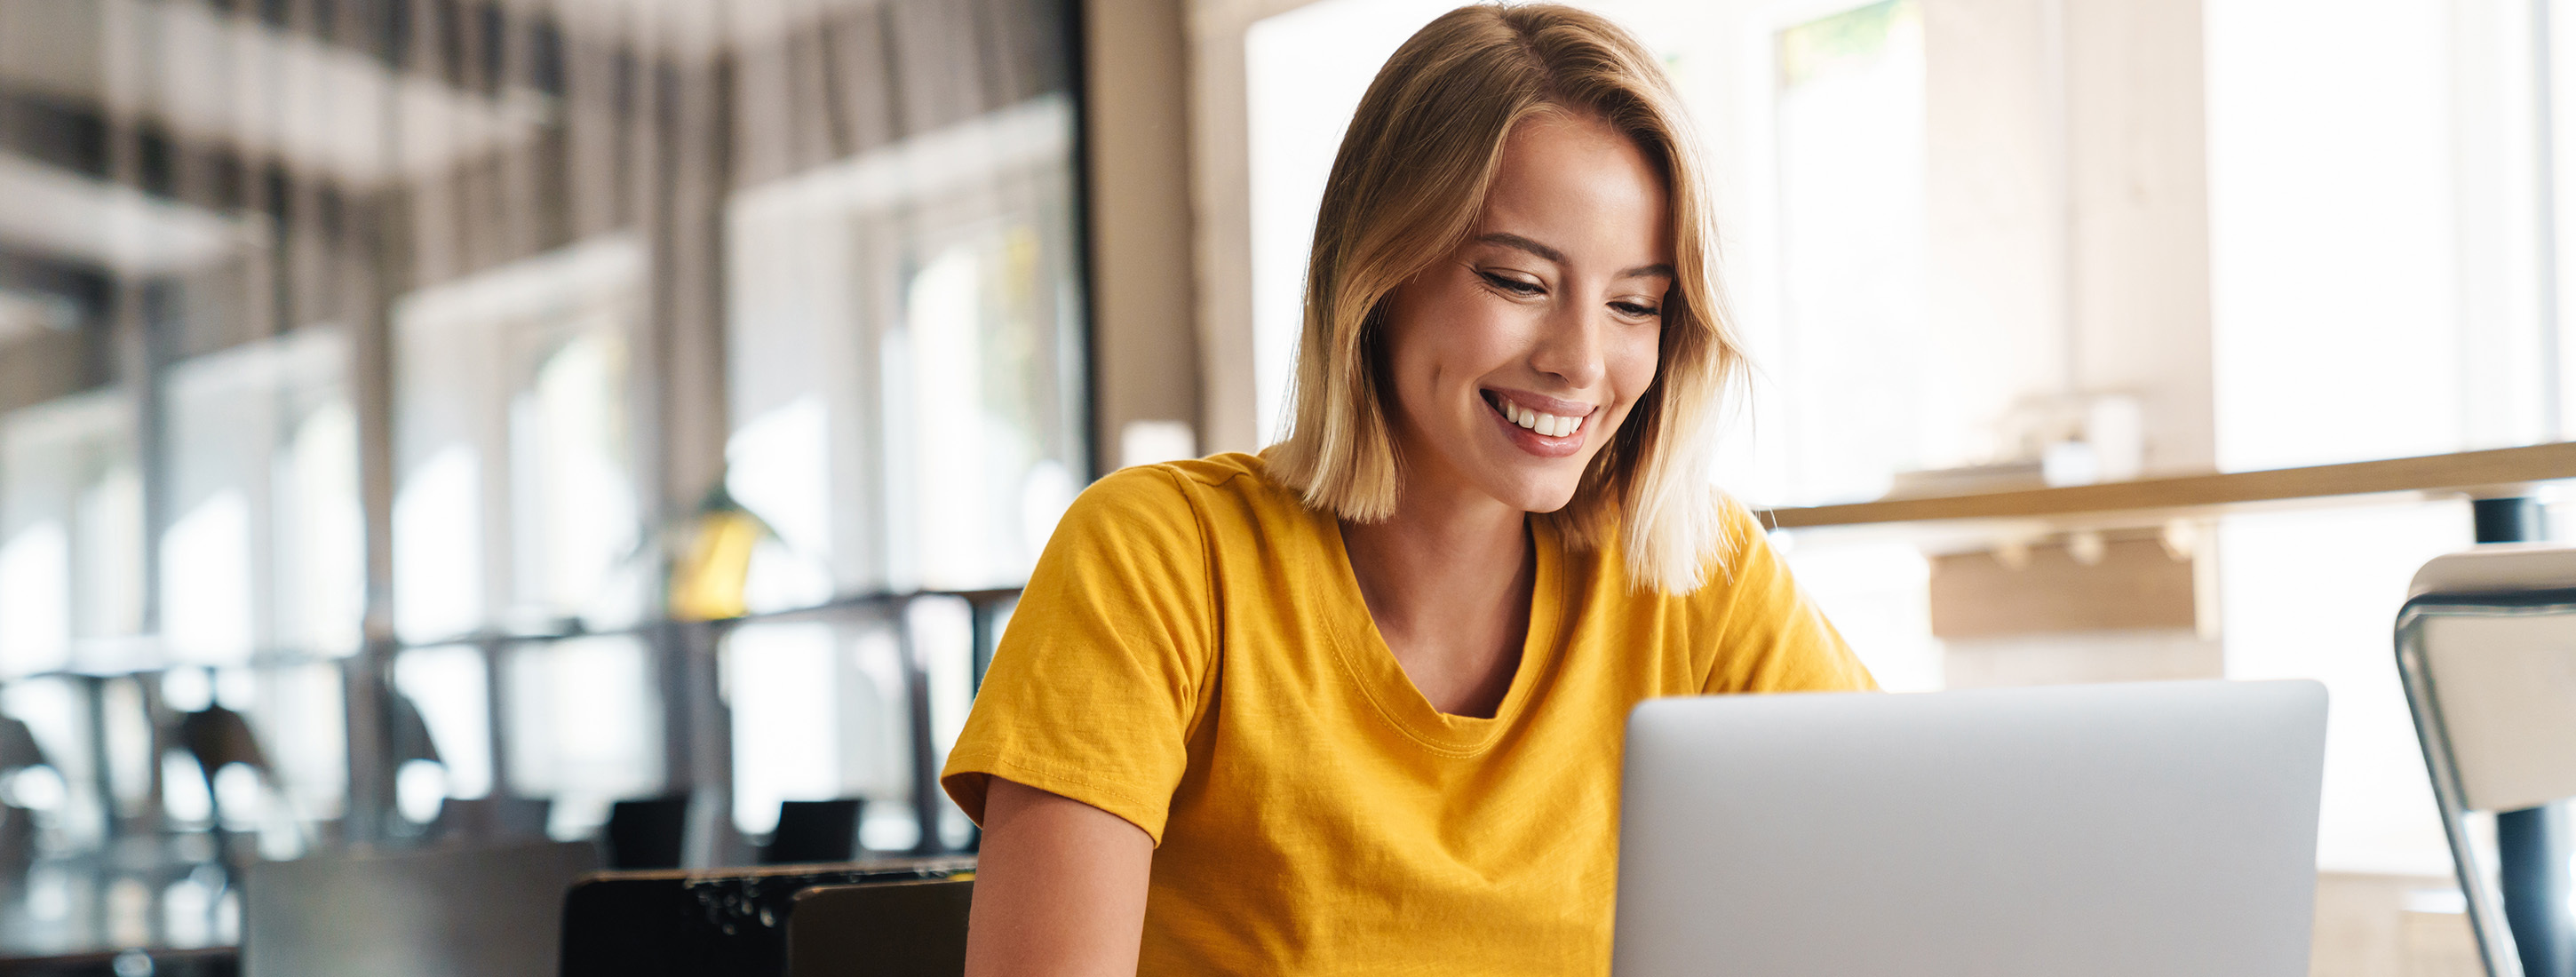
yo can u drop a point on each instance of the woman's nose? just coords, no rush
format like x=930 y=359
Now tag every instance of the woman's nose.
x=1569 y=347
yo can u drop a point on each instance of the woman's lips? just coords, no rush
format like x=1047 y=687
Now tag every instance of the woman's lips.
x=1535 y=430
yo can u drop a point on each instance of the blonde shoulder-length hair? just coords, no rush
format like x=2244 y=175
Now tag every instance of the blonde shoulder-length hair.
x=1406 y=189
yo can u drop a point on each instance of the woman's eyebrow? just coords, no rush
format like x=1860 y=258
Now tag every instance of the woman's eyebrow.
x=1509 y=240
x=1525 y=244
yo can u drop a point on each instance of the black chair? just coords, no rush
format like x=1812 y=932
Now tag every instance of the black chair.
x=646 y=834
x=814 y=831
x=703 y=923
x=884 y=929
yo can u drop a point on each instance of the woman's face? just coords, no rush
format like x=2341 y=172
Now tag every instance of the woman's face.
x=1515 y=357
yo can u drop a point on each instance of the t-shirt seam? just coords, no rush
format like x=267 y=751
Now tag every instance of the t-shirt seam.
x=1237 y=471
x=1113 y=790
x=1211 y=634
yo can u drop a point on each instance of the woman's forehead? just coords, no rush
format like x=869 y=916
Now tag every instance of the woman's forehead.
x=1574 y=186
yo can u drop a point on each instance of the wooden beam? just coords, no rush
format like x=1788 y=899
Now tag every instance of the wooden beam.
x=2468 y=472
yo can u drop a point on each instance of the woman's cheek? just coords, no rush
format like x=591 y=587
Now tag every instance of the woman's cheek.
x=1635 y=369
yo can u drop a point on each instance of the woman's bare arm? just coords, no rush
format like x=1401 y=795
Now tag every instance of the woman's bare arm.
x=1059 y=888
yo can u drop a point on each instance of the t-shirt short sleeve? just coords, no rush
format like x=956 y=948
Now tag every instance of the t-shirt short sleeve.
x=1096 y=683
x=1771 y=636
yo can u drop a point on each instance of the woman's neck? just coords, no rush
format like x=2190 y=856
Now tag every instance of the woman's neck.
x=1448 y=579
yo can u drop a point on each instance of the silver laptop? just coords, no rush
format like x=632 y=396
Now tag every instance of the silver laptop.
x=2104 y=830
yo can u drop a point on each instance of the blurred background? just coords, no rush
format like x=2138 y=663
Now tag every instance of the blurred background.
x=447 y=422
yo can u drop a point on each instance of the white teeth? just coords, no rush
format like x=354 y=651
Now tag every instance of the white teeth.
x=1550 y=425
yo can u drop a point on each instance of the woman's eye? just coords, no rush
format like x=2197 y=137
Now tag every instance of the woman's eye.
x=1512 y=285
x=1636 y=310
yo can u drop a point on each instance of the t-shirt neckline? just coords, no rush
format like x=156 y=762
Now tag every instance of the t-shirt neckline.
x=1370 y=663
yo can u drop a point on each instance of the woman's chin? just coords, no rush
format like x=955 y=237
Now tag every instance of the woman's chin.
x=1537 y=495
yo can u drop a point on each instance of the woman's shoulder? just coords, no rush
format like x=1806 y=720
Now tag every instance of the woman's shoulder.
x=1166 y=501
x=1163 y=486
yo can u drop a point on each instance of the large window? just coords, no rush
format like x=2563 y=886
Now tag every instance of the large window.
x=71 y=535
x=264 y=551
x=907 y=397
x=379 y=387
x=907 y=381
x=517 y=504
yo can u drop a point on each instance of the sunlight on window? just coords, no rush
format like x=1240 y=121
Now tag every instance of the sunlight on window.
x=781 y=684
x=575 y=501
x=942 y=330
x=516 y=504
x=908 y=394
x=778 y=466
x=585 y=725
x=1849 y=112
x=323 y=599
x=206 y=581
x=109 y=519
x=35 y=600
x=438 y=559
x=2335 y=234
x=71 y=535
x=304 y=723
x=876 y=733
x=448 y=685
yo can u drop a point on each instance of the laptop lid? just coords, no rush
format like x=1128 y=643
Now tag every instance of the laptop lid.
x=2106 y=830
x=882 y=929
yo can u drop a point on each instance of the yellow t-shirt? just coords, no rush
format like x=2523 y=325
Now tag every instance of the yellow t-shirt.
x=1192 y=654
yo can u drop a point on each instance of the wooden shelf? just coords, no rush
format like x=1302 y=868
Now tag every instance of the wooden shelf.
x=2495 y=471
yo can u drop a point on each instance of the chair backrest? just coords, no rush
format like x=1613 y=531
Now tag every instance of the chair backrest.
x=814 y=831
x=2486 y=647
x=885 y=929
x=458 y=912
x=646 y=834
x=717 y=921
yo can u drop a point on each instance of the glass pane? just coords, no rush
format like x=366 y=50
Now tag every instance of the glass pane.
x=517 y=500
x=321 y=546
x=2373 y=280
x=71 y=535
x=904 y=345
x=302 y=717
x=819 y=712
x=450 y=687
x=583 y=726
x=1850 y=343
x=263 y=551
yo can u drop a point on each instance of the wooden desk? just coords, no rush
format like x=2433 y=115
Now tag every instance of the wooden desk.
x=2501 y=471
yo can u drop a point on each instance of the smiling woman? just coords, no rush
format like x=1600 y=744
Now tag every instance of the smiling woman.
x=1355 y=703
